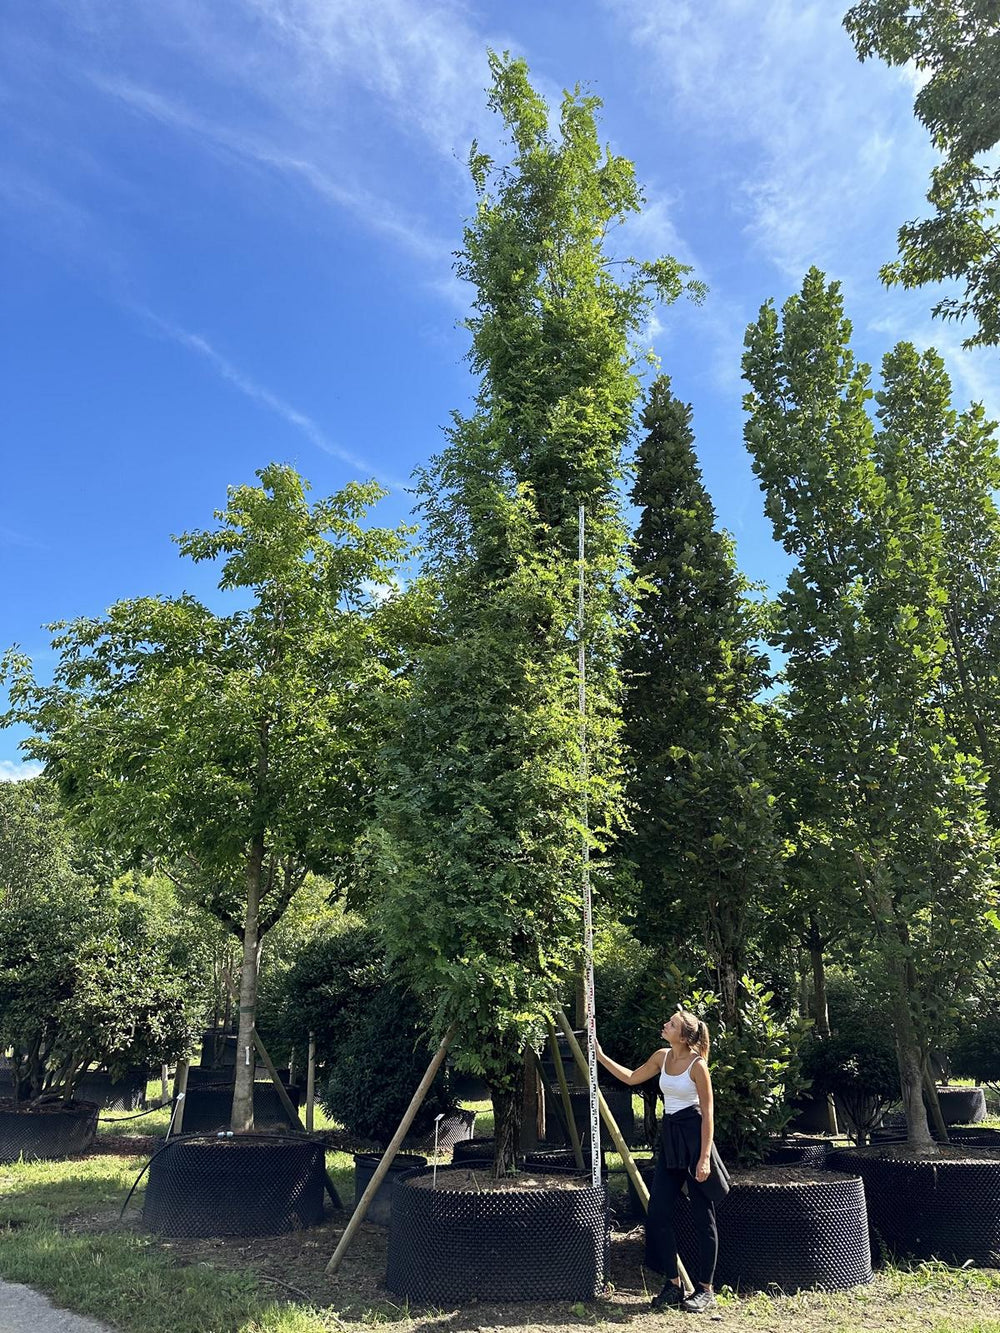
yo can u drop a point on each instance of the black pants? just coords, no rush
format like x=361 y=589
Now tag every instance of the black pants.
x=661 y=1229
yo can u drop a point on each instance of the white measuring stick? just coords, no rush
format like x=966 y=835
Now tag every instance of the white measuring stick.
x=588 y=914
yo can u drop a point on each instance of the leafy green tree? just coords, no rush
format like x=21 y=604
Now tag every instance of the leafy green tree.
x=482 y=823
x=36 y=848
x=955 y=46
x=862 y=623
x=703 y=839
x=238 y=747
x=952 y=465
x=91 y=974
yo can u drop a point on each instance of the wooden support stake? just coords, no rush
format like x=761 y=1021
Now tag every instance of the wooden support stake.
x=164 y=1084
x=567 y=1102
x=358 y=1216
x=180 y=1094
x=615 y=1132
x=311 y=1082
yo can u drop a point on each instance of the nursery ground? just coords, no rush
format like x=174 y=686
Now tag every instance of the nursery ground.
x=60 y=1233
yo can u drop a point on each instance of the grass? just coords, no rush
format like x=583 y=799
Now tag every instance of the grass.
x=60 y=1233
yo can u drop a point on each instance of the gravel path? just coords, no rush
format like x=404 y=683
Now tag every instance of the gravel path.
x=25 y=1311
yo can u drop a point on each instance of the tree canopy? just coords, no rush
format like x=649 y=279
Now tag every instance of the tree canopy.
x=954 y=45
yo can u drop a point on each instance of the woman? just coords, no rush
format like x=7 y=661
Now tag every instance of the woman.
x=685 y=1155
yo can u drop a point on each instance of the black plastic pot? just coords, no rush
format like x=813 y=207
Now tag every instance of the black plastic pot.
x=930 y=1208
x=63 y=1129
x=208 y=1108
x=218 y=1049
x=794 y=1236
x=962 y=1106
x=201 y=1076
x=619 y=1102
x=798 y=1153
x=380 y=1208
x=544 y=1158
x=810 y=1114
x=458 y=1127
x=120 y=1094
x=447 y=1246
x=246 y=1185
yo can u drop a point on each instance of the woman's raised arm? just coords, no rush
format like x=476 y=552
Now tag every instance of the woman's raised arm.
x=633 y=1076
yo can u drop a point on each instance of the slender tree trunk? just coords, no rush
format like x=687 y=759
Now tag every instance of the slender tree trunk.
x=933 y=1103
x=909 y=1057
x=802 y=959
x=532 y=1103
x=821 y=1010
x=508 y=1107
x=242 y=1118
x=650 y=1097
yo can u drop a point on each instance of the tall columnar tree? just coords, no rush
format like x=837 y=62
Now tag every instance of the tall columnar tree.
x=240 y=747
x=955 y=46
x=862 y=621
x=703 y=839
x=952 y=463
x=482 y=821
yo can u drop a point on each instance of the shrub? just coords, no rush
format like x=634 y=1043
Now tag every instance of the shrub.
x=858 y=1065
x=378 y=1066
x=755 y=1071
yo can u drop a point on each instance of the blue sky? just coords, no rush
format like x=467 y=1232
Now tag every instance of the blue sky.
x=226 y=237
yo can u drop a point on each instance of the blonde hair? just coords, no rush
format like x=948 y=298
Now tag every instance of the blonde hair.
x=694 y=1032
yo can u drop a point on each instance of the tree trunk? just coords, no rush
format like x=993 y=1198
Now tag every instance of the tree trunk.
x=508 y=1105
x=650 y=1097
x=532 y=1103
x=821 y=1010
x=909 y=1057
x=803 y=974
x=933 y=1103
x=246 y=1060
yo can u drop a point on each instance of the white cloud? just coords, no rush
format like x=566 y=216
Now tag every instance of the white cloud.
x=823 y=146
x=259 y=394
x=13 y=771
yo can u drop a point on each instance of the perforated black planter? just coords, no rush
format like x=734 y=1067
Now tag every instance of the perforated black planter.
x=243 y=1186
x=365 y=1164
x=619 y=1102
x=120 y=1094
x=931 y=1208
x=540 y=1159
x=208 y=1108
x=798 y=1154
x=962 y=1106
x=458 y=1127
x=63 y=1129
x=447 y=1246
x=794 y=1236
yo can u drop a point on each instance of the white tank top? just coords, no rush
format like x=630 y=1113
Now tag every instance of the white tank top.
x=679 y=1090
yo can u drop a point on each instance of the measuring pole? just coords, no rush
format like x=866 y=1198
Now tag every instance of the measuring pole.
x=588 y=914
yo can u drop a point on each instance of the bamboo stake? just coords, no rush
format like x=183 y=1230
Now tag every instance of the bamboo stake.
x=311 y=1082
x=567 y=1101
x=616 y=1134
x=361 y=1208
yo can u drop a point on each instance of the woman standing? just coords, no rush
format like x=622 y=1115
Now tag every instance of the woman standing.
x=685 y=1156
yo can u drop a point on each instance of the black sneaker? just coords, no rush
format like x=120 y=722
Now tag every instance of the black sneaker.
x=701 y=1301
x=672 y=1294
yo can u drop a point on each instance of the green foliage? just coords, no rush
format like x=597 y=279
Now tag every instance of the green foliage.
x=378 y=1064
x=755 y=1071
x=91 y=974
x=236 y=750
x=955 y=47
x=896 y=824
x=702 y=837
x=976 y=1053
x=333 y=980
x=480 y=832
x=857 y=1062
